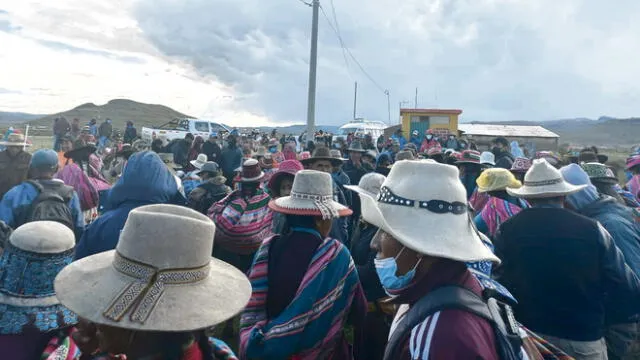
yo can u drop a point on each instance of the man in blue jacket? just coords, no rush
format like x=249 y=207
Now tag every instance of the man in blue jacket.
x=16 y=204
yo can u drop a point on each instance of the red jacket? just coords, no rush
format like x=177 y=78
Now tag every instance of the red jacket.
x=447 y=334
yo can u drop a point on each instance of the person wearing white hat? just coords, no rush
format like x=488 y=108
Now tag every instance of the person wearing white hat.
x=426 y=236
x=563 y=268
x=379 y=311
x=153 y=296
x=14 y=162
x=305 y=285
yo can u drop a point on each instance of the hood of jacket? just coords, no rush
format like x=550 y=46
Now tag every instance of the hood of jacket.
x=145 y=179
x=605 y=206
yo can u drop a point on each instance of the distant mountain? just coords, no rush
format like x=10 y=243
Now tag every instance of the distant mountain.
x=292 y=129
x=118 y=110
x=606 y=131
x=11 y=118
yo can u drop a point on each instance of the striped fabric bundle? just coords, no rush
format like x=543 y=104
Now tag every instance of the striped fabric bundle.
x=242 y=224
x=497 y=211
x=312 y=325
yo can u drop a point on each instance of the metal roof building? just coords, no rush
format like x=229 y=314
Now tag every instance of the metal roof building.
x=506 y=130
x=533 y=137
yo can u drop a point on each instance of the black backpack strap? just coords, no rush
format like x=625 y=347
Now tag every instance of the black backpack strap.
x=36 y=184
x=446 y=297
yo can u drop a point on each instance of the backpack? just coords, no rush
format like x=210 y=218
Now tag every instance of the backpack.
x=498 y=314
x=52 y=204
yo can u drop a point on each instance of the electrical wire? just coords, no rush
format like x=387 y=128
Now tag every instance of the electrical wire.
x=306 y=3
x=339 y=33
x=335 y=30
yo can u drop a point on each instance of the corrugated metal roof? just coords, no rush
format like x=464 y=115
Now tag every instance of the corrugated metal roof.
x=506 y=130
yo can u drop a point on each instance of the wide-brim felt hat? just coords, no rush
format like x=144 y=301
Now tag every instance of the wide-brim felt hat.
x=521 y=165
x=311 y=195
x=544 y=181
x=286 y=168
x=32 y=258
x=431 y=217
x=168 y=160
x=322 y=153
x=469 y=157
x=199 y=161
x=15 y=140
x=632 y=161
x=599 y=172
x=250 y=171
x=160 y=277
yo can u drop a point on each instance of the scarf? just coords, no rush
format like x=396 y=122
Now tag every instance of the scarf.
x=634 y=186
x=312 y=325
x=242 y=223
x=497 y=211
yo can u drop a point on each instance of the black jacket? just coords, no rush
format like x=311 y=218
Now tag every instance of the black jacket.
x=504 y=160
x=213 y=151
x=563 y=268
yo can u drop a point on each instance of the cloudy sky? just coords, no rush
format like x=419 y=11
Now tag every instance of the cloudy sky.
x=246 y=61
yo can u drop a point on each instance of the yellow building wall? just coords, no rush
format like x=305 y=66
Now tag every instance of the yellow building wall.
x=406 y=122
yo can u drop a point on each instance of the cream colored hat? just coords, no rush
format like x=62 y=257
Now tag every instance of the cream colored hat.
x=15 y=140
x=160 y=277
x=369 y=184
x=544 y=181
x=199 y=161
x=311 y=195
x=430 y=217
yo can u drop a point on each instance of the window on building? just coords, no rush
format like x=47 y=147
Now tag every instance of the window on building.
x=439 y=120
x=417 y=119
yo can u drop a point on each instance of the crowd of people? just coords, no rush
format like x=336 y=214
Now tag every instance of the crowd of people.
x=255 y=247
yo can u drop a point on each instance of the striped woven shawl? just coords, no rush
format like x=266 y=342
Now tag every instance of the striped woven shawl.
x=242 y=224
x=312 y=324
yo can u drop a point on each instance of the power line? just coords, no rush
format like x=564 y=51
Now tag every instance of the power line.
x=382 y=89
x=339 y=33
x=306 y=3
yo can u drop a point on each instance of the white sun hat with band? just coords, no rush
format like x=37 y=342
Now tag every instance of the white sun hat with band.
x=430 y=217
x=311 y=195
x=159 y=276
x=543 y=180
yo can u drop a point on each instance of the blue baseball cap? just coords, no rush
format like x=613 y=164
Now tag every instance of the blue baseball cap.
x=43 y=159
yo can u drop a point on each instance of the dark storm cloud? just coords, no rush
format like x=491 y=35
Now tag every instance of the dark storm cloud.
x=496 y=60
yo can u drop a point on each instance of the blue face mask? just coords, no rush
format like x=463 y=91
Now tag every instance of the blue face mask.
x=273 y=149
x=392 y=283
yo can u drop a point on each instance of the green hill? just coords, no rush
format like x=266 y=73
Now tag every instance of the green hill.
x=119 y=111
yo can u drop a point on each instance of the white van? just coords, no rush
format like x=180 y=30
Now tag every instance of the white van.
x=360 y=128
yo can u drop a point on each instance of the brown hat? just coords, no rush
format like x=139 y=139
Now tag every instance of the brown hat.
x=322 y=153
x=251 y=171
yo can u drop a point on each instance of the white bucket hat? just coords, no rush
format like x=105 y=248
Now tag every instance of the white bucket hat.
x=199 y=161
x=430 y=217
x=544 y=181
x=311 y=195
x=487 y=158
x=369 y=184
x=161 y=277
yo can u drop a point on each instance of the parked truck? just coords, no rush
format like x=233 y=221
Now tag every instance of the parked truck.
x=178 y=129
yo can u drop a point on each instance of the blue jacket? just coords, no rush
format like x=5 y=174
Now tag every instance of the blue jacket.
x=21 y=196
x=231 y=159
x=618 y=221
x=144 y=181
